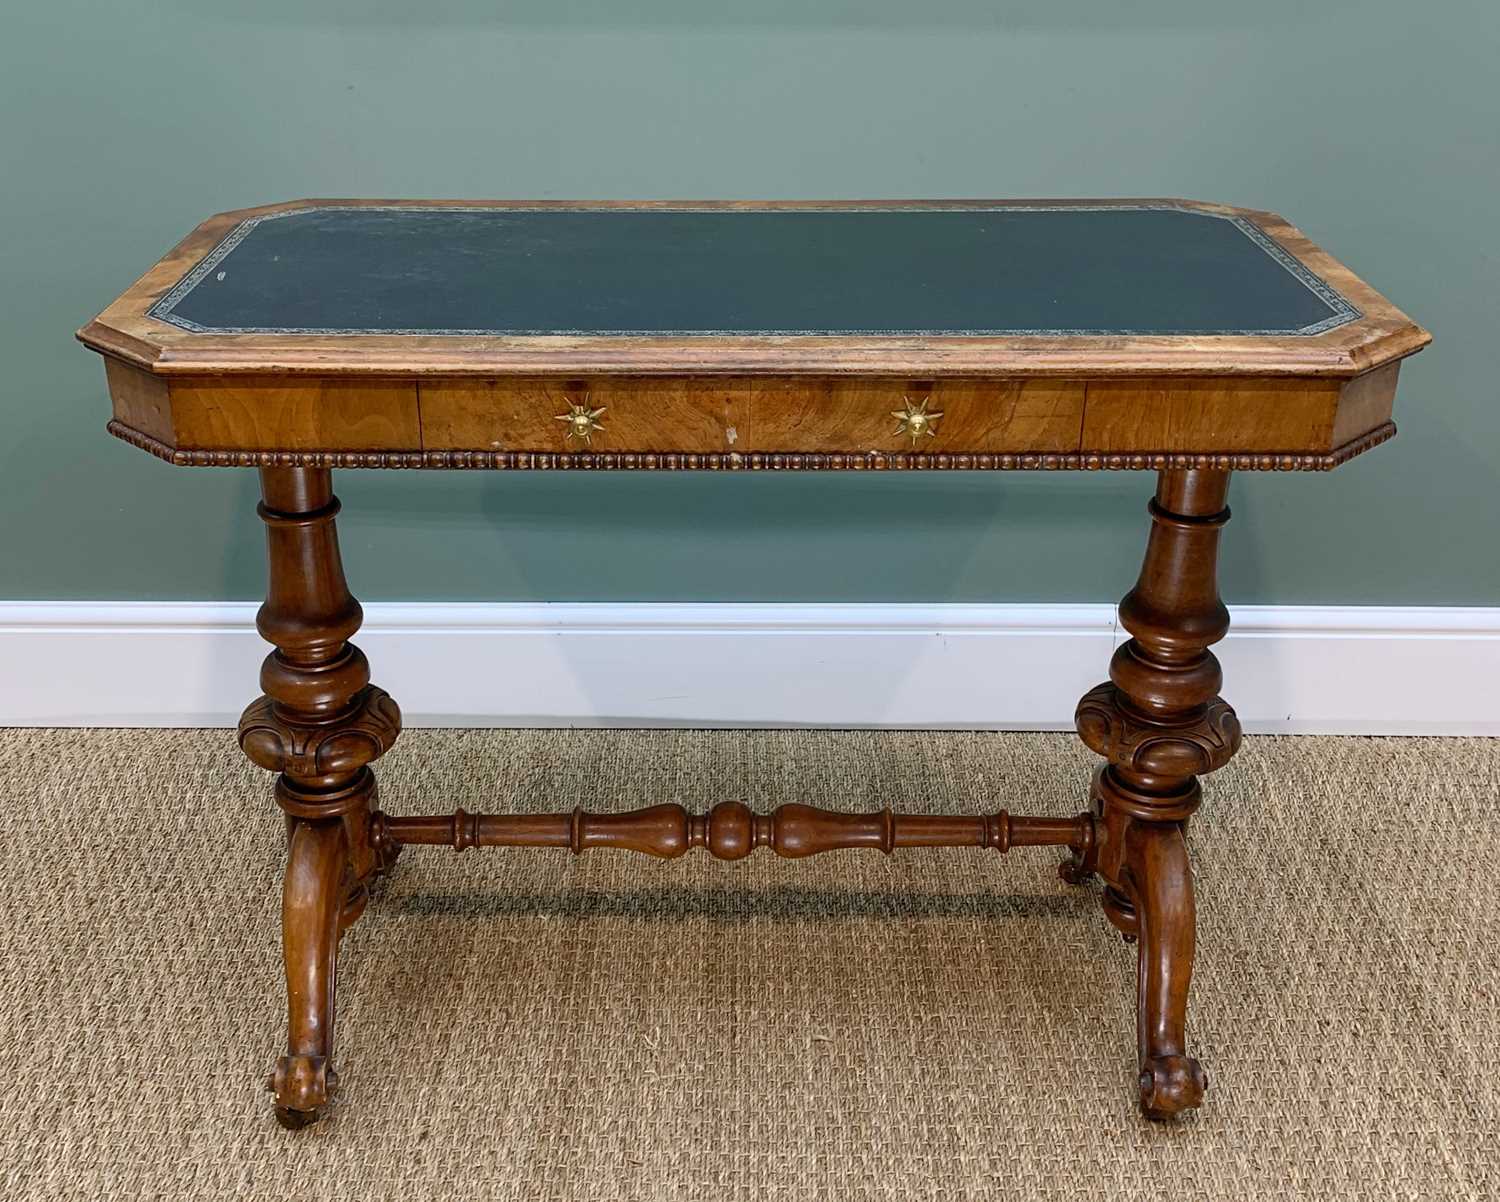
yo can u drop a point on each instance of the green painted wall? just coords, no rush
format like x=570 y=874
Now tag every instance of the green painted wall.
x=1371 y=124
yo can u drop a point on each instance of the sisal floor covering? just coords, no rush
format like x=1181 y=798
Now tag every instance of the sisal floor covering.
x=937 y=1025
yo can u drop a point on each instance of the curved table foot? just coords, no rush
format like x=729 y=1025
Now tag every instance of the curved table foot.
x=312 y=905
x=1161 y=880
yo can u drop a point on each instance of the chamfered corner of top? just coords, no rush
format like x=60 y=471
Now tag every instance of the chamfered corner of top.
x=232 y=217
x=1217 y=208
x=109 y=340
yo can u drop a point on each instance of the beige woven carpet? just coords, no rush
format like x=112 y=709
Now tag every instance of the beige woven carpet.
x=936 y=1025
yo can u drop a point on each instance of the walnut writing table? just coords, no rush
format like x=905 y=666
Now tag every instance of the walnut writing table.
x=1183 y=338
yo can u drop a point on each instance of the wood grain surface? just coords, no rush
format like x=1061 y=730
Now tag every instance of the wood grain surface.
x=429 y=421
x=674 y=414
x=301 y=413
x=1211 y=415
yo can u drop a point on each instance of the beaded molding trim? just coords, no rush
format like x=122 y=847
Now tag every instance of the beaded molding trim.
x=679 y=461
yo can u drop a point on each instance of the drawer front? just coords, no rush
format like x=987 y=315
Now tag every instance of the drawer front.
x=931 y=417
x=614 y=414
x=727 y=415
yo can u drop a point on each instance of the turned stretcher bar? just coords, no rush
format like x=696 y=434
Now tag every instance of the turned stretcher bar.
x=731 y=830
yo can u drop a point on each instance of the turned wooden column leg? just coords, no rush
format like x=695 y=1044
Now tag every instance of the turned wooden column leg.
x=319 y=724
x=1160 y=724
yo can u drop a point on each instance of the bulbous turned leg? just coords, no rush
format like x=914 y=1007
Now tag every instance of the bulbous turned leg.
x=312 y=907
x=319 y=724
x=1161 y=885
x=1160 y=724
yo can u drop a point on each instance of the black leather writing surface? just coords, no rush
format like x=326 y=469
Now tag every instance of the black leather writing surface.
x=976 y=271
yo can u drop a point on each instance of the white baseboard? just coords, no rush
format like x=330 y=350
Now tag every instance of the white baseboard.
x=1308 y=669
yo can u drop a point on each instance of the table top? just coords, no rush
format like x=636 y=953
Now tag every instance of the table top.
x=924 y=288
x=933 y=334
x=983 y=270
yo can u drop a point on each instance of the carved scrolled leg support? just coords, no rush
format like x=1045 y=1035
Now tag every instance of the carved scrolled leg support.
x=1160 y=724
x=1161 y=885
x=312 y=904
x=320 y=724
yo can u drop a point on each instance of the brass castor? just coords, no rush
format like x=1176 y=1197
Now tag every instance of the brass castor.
x=1073 y=871
x=295 y=1120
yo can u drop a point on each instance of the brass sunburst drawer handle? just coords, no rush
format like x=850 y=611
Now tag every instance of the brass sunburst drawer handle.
x=916 y=421
x=581 y=421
